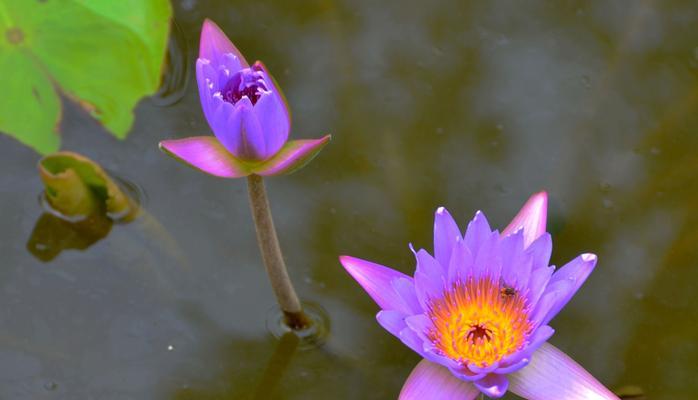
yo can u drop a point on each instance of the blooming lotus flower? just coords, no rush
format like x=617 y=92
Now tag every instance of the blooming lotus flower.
x=478 y=310
x=247 y=113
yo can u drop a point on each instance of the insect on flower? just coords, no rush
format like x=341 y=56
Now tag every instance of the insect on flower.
x=478 y=310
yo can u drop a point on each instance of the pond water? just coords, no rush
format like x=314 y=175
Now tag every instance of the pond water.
x=470 y=105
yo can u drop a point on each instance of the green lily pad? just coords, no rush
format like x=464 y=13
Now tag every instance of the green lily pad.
x=106 y=55
x=78 y=187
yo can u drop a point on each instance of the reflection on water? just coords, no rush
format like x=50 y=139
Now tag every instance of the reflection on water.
x=176 y=69
x=469 y=105
x=53 y=234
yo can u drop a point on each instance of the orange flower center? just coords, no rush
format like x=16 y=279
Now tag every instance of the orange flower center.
x=479 y=321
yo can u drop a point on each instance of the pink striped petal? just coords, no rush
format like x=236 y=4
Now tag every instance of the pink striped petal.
x=551 y=374
x=431 y=381
x=377 y=282
x=206 y=154
x=532 y=218
x=213 y=44
x=293 y=156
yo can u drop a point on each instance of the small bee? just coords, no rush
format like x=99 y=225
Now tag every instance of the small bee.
x=507 y=291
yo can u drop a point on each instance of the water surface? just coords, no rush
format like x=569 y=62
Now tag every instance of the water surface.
x=469 y=105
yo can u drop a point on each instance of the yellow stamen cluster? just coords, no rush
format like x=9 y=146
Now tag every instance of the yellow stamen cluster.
x=479 y=321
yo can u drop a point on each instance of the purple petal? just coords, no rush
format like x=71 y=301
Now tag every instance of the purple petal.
x=573 y=274
x=446 y=235
x=531 y=218
x=376 y=281
x=205 y=153
x=430 y=381
x=412 y=340
x=551 y=374
x=475 y=369
x=480 y=241
x=547 y=302
x=405 y=289
x=207 y=82
x=461 y=262
x=214 y=43
x=421 y=324
x=252 y=145
x=428 y=278
x=272 y=111
x=521 y=358
x=493 y=385
x=516 y=263
x=292 y=157
x=477 y=232
x=541 y=272
x=463 y=373
x=392 y=321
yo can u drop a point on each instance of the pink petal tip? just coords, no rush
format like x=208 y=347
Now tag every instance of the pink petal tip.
x=293 y=156
x=531 y=218
x=206 y=154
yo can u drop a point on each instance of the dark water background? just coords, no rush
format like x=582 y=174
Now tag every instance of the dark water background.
x=471 y=105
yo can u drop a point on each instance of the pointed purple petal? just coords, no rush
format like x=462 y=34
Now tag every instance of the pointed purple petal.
x=392 y=321
x=214 y=43
x=516 y=263
x=532 y=218
x=420 y=324
x=547 y=302
x=252 y=144
x=493 y=385
x=430 y=381
x=412 y=340
x=551 y=374
x=273 y=112
x=405 y=289
x=574 y=273
x=273 y=123
x=477 y=232
x=446 y=235
x=460 y=264
x=292 y=157
x=521 y=358
x=205 y=153
x=480 y=241
x=541 y=272
x=207 y=82
x=428 y=278
x=376 y=281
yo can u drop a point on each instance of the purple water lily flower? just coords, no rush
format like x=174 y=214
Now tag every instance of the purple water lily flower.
x=478 y=311
x=248 y=115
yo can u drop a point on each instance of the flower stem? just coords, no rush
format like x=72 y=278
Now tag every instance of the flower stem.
x=285 y=294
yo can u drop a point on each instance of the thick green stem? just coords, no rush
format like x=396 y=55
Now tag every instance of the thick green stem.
x=272 y=257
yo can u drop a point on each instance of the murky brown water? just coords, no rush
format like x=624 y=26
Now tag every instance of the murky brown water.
x=471 y=105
